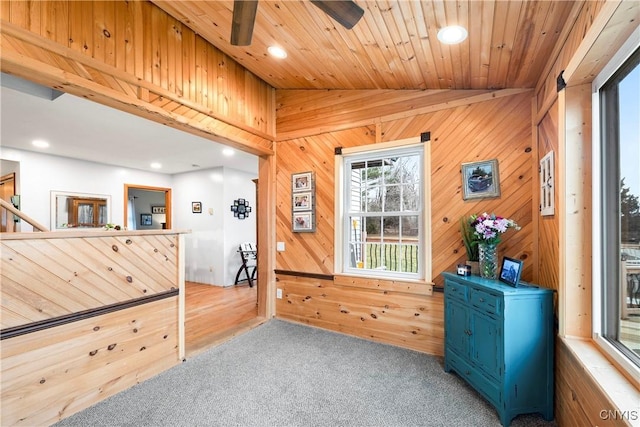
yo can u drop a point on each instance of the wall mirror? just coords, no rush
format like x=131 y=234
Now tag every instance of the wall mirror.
x=79 y=210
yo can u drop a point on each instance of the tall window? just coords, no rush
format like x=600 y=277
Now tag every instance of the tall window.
x=620 y=209
x=383 y=205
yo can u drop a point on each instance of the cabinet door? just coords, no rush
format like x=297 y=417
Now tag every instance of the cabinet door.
x=457 y=327
x=486 y=343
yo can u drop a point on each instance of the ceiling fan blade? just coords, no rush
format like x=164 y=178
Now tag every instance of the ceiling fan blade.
x=244 y=17
x=346 y=12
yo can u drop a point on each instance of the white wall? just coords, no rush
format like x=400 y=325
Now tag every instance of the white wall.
x=41 y=173
x=237 y=185
x=210 y=249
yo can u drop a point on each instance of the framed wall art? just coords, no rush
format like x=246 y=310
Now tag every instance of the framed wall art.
x=240 y=208
x=303 y=203
x=196 y=207
x=547 y=185
x=480 y=180
x=301 y=181
x=158 y=209
x=302 y=221
x=146 y=219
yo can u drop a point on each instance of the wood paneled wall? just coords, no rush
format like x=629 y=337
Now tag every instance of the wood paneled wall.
x=84 y=315
x=580 y=401
x=135 y=57
x=563 y=122
x=548 y=233
x=51 y=374
x=478 y=129
x=581 y=19
x=494 y=129
x=302 y=113
x=343 y=304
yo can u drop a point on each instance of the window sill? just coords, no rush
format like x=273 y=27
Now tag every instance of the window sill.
x=620 y=390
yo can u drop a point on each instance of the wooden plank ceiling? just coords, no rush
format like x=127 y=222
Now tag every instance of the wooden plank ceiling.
x=394 y=46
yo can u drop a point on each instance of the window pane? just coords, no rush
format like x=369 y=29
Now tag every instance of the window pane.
x=629 y=160
x=378 y=191
x=392 y=198
x=410 y=227
x=391 y=227
x=373 y=199
x=373 y=225
x=620 y=210
x=410 y=197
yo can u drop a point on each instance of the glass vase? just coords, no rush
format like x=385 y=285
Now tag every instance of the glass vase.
x=488 y=260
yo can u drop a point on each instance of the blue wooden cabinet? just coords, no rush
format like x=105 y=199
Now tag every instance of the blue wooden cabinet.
x=500 y=340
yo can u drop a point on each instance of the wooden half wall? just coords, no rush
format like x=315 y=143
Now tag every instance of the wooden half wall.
x=85 y=315
x=479 y=127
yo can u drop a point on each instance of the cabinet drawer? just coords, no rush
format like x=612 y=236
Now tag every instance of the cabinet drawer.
x=456 y=290
x=485 y=301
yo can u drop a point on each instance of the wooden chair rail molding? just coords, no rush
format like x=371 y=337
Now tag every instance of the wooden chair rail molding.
x=374 y=283
x=86 y=314
x=35 y=224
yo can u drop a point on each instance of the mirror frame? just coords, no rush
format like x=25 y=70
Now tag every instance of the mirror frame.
x=54 y=208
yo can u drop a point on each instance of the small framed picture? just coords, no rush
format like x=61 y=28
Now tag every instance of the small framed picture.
x=302 y=201
x=510 y=271
x=145 y=219
x=480 y=180
x=301 y=181
x=303 y=222
x=196 y=207
x=158 y=209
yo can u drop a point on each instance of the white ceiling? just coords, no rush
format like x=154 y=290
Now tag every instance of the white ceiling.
x=82 y=129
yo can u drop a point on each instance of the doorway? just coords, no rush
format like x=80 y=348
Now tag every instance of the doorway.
x=147 y=208
x=7 y=192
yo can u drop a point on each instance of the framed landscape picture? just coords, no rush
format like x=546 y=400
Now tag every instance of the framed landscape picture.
x=480 y=180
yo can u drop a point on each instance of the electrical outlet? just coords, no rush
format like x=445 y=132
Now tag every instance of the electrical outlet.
x=279 y=293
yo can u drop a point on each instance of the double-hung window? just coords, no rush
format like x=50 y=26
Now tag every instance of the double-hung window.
x=617 y=208
x=383 y=212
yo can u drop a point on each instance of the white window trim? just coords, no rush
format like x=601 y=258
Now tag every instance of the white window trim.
x=616 y=62
x=339 y=210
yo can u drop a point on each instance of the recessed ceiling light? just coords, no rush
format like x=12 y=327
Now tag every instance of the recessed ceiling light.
x=452 y=35
x=156 y=165
x=277 y=52
x=40 y=143
x=228 y=152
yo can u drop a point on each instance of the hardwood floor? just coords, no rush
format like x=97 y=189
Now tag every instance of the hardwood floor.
x=215 y=314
